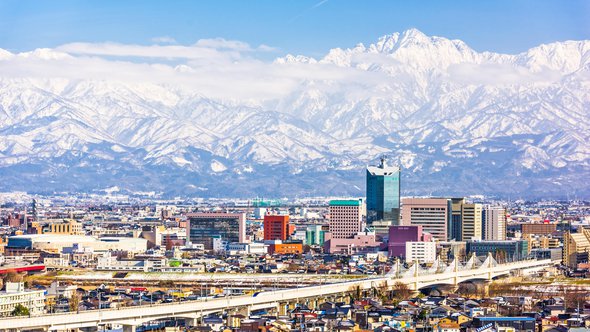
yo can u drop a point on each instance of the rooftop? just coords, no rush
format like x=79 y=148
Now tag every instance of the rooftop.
x=345 y=202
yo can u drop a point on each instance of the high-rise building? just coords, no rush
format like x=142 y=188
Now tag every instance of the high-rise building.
x=494 y=223
x=383 y=193
x=465 y=220
x=576 y=247
x=202 y=228
x=433 y=214
x=276 y=227
x=456 y=223
x=471 y=222
x=346 y=218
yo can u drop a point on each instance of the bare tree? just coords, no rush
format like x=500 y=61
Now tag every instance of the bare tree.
x=575 y=298
x=74 y=302
x=355 y=292
x=401 y=291
x=13 y=276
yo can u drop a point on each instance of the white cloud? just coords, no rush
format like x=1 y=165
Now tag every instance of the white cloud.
x=319 y=4
x=221 y=43
x=151 y=51
x=220 y=68
x=164 y=40
x=215 y=68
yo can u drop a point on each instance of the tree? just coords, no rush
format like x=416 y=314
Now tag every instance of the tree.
x=382 y=291
x=401 y=291
x=423 y=314
x=13 y=276
x=74 y=302
x=20 y=310
x=293 y=267
x=355 y=293
x=575 y=298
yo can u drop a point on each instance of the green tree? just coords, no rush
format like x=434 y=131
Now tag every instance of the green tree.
x=423 y=314
x=20 y=310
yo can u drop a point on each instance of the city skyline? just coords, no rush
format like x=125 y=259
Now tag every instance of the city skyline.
x=310 y=165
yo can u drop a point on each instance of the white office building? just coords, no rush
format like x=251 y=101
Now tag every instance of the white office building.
x=494 y=223
x=422 y=252
x=15 y=294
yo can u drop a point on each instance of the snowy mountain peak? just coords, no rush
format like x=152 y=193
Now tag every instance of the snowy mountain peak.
x=566 y=57
x=416 y=37
x=46 y=54
x=458 y=121
x=289 y=58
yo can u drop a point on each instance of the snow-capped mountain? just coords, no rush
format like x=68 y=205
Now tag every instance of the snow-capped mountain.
x=458 y=121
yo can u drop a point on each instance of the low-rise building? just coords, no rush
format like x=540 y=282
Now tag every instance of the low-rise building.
x=361 y=242
x=254 y=248
x=507 y=250
x=284 y=248
x=15 y=293
x=56 y=243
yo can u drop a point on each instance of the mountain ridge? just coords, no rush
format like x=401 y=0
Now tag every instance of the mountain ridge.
x=457 y=121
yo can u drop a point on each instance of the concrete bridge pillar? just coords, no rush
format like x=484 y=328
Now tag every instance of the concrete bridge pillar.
x=312 y=303
x=128 y=328
x=281 y=309
x=191 y=322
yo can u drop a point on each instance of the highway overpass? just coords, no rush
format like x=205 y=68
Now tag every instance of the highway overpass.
x=415 y=277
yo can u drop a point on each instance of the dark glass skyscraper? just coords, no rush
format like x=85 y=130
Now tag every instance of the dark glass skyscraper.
x=202 y=228
x=383 y=193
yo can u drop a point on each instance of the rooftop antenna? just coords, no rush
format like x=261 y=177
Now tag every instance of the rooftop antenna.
x=383 y=161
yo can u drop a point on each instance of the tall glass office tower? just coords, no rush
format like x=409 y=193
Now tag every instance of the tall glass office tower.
x=383 y=193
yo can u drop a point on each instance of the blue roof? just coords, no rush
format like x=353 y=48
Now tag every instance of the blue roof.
x=505 y=319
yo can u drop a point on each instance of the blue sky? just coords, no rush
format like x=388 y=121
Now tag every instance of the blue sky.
x=301 y=27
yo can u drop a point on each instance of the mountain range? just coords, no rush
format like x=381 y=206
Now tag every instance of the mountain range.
x=458 y=121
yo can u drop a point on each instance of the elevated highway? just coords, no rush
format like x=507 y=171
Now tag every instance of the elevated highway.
x=415 y=277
